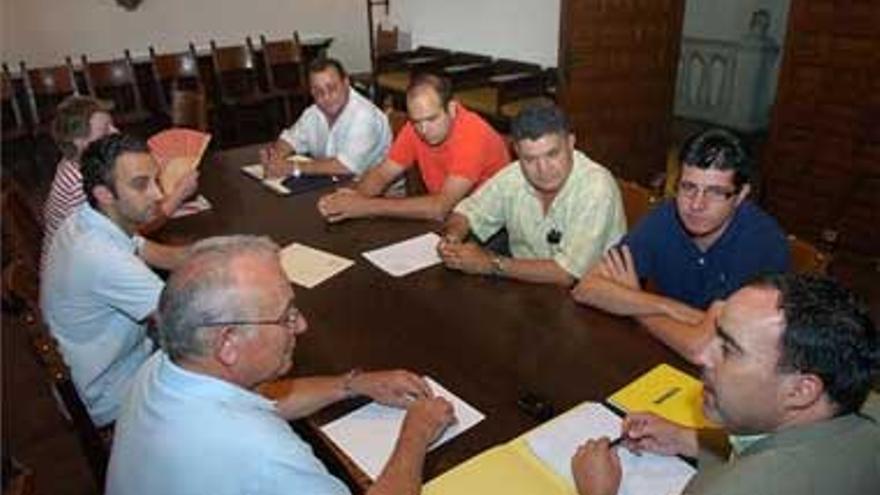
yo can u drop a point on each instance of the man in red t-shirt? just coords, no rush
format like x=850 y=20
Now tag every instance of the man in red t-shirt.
x=454 y=148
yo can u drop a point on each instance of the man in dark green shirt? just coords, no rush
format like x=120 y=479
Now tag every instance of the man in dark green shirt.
x=787 y=375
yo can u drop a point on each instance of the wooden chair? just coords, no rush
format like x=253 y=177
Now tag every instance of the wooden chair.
x=637 y=201
x=22 y=233
x=17 y=478
x=45 y=88
x=179 y=89
x=807 y=258
x=285 y=70
x=115 y=80
x=238 y=92
x=94 y=441
x=14 y=125
x=511 y=86
x=385 y=45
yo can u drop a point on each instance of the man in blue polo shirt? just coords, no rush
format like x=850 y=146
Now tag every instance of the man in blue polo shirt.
x=96 y=293
x=693 y=250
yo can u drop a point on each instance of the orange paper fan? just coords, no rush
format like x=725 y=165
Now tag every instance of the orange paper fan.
x=178 y=151
x=176 y=143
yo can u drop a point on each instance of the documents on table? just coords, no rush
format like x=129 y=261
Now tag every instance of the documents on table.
x=196 y=205
x=309 y=267
x=557 y=441
x=257 y=171
x=539 y=461
x=667 y=392
x=368 y=434
x=406 y=256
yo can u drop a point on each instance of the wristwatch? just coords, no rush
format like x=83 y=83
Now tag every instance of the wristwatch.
x=497 y=265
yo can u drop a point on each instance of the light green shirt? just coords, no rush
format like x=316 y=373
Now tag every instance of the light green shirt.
x=587 y=212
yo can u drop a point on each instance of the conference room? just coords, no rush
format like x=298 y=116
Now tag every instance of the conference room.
x=210 y=87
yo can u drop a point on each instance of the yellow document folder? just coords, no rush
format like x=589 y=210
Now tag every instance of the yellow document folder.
x=667 y=392
x=509 y=469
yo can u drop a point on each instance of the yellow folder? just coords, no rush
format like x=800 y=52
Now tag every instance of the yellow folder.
x=508 y=469
x=667 y=392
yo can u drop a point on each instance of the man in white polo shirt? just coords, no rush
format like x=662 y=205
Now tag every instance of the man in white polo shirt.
x=343 y=132
x=96 y=293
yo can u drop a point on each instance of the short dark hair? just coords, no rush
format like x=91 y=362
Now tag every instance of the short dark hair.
x=828 y=332
x=538 y=120
x=718 y=149
x=323 y=63
x=98 y=161
x=440 y=85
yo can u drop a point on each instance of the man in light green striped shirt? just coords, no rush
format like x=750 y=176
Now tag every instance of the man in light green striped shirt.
x=562 y=211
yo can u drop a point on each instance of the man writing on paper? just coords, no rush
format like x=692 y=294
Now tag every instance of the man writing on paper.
x=343 y=132
x=81 y=120
x=561 y=210
x=228 y=323
x=695 y=249
x=786 y=375
x=455 y=150
x=96 y=293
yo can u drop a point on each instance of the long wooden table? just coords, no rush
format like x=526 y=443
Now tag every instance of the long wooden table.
x=487 y=340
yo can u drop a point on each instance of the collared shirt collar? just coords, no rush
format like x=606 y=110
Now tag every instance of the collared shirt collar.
x=101 y=223
x=207 y=386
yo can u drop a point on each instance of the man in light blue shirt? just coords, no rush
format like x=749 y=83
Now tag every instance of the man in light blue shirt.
x=194 y=422
x=96 y=293
x=343 y=132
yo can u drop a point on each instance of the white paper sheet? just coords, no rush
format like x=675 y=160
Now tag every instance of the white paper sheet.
x=556 y=442
x=309 y=267
x=257 y=172
x=406 y=256
x=368 y=434
x=197 y=205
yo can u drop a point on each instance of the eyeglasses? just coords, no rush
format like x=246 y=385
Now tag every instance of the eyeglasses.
x=289 y=318
x=718 y=194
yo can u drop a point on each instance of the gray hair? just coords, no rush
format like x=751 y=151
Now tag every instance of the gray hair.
x=203 y=290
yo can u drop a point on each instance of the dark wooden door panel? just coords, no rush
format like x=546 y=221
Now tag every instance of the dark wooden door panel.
x=618 y=61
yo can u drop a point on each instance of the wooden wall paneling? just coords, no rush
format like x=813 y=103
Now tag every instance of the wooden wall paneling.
x=618 y=61
x=823 y=145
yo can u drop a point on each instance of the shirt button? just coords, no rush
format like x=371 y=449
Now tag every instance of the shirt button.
x=701 y=261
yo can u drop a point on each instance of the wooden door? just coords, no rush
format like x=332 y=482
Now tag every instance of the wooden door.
x=618 y=61
x=822 y=161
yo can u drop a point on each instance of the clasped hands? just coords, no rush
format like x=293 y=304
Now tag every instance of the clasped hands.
x=467 y=257
x=596 y=465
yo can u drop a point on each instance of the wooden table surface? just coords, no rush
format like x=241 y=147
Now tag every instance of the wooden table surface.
x=487 y=340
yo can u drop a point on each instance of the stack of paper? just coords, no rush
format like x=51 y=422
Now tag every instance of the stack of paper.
x=407 y=256
x=368 y=435
x=309 y=267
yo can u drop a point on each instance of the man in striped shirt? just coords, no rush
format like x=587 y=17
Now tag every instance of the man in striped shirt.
x=79 y=121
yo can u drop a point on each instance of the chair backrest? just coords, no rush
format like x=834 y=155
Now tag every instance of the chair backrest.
x=637 y=201
x=174 y=71
x=235 y=70
x=284 y=63
x=94 y=441
x=807 y=258
x=114 y=80
x=22 y=233
x=386 y=40
x=46 y=87
x=14 y=124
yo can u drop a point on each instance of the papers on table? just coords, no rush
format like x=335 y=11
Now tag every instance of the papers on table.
x=556 y=442
x=275 y=184
x=368 y=434
x=309 y=267
x=407 y=256
x=197 y=205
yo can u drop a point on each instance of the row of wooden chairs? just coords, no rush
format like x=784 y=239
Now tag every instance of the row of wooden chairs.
x=238 y=75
